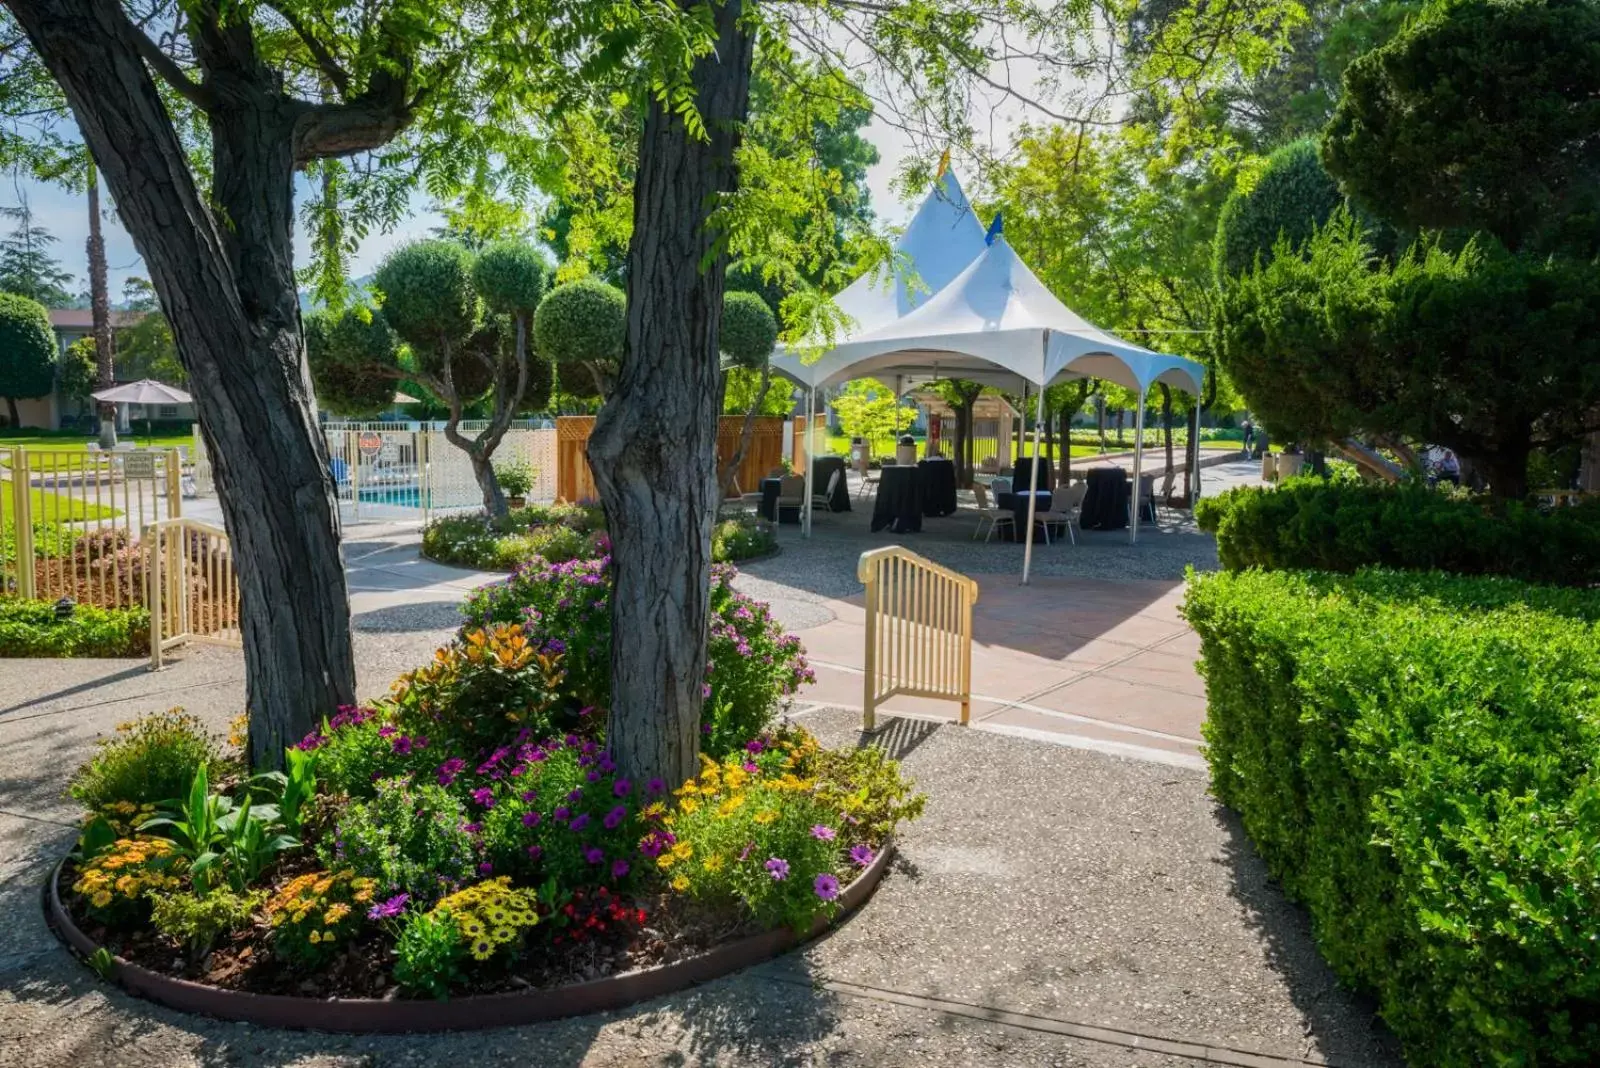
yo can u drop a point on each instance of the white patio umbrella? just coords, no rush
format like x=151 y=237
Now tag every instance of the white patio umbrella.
x=146 y=391
x=404 y=398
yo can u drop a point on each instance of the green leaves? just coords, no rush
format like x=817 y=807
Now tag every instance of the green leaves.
x=1413 y=756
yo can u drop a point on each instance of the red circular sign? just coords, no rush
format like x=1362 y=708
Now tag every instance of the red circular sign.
x=369 y=442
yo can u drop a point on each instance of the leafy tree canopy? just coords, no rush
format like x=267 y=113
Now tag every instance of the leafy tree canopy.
x=749 y=330
x=27 y=350
x=1480 y=115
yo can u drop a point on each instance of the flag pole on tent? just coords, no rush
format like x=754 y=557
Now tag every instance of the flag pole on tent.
x=1138 y=468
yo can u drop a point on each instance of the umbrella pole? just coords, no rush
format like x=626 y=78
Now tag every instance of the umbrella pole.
x=1138 y=468
x=1033 y=497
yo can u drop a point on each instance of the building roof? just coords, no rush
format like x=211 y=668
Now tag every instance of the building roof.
x=83 y=318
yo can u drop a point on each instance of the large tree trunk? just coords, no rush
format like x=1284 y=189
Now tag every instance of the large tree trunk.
x=228 y=289
x=653 y=449
x=100 y=311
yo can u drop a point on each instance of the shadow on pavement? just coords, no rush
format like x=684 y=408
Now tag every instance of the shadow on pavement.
x=1344 y=1026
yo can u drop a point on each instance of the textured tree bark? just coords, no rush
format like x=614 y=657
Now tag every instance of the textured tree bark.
x=226 y=283
x=100 y=311
x=653 y=449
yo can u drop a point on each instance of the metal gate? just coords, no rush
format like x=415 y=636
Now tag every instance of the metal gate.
x=919 y=630
x=192 y=586
x=71 y=521
x=391 y=475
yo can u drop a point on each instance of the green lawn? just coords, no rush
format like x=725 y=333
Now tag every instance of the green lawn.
x=45 y=505
x=52 y=443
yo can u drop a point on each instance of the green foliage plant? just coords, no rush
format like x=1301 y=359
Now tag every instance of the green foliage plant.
x=1413 y=757
x=27 y=351
x=197 y=920
x=429 y=954
x=31 y=629
x=408 y=839
x=749 y=330
x=150 y=760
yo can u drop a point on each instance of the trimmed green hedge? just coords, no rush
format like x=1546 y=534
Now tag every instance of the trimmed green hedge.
x=29 y=628
x=1309 y=523
x=1417 y=759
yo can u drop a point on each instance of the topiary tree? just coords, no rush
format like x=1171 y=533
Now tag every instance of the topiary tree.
x=467 y=321
x=581 y=325
x=1292 y=197
x=354 y=358
x=748 y=336
x=27 y=352
x=1480 y=115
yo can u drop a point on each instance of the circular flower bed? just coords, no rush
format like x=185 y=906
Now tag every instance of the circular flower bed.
x=561 y=532
x=470 y=836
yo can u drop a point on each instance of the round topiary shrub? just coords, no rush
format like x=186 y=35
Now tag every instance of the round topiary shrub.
x=353 y=358
x=427 y=293
x=581 y=322
x=749 y=329
x=27 y=351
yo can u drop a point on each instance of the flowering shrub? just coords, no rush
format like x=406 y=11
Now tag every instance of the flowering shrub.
x=555 y=532
x=428 y=954
x=598 y=916
x=359 y=747
x=741 y=539
x=115 y=882
x=760 y=838
x=409 y=839
x=481 y=687
x=490 y=916
x=312 y=913
x=150 y=760
x=751 y=664
x=559 y=814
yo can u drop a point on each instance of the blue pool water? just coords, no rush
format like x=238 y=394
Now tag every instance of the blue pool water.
x=393 y=496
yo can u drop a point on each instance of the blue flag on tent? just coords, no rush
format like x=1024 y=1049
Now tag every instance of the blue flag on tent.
x=994 y=230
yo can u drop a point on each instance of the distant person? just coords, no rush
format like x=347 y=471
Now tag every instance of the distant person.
x=1249 y=429
x=1449 y=467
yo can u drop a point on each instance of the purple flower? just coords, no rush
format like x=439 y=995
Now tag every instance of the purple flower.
x=486 y=868
x=822 y=833
x=594 y=776
x=754 y=746
x=778 y=868
x=594 y=854
x=450 y=769
x=401 y=745
x=534 y=851
x=576 y=795
x=555 y=645
x=471 y=828
x=745 y=852
x=579 y=822
x=387 y=910
x=530 y=819
x=615 y=817
x=388 y=730
x=751 y=766
x=484 y=796
x=562 y=813
x=585 y=710
x=655 y=787
x=621 y=788
x=619 y=868
x=861 y=854
x=826 y=886
x=529 y=795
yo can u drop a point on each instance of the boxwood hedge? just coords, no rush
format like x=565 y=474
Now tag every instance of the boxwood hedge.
x=1345 y=525
x=30 y=629
x=1415 y=757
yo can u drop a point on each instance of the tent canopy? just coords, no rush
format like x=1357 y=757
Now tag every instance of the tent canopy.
x=996 y=323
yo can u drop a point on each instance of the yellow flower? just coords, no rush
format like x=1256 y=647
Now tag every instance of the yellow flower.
x=681 y=883
x=766 y=816
x=335 y=913
x=689 y=804
x=731 y=805
x=712 y=863
x=665 y=861
x=101 y=899
x=654 y=810
x=682 y=850
x=315 y=938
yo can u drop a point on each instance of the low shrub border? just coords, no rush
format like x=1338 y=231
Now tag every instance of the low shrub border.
x=473 y=1012
x=558 y=533
x=1309 y=523
x=1415 y=758
x=31 y=629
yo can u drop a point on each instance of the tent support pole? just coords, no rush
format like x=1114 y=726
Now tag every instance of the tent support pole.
x=1138 y=469
x=811 y=454
x=1033 y=497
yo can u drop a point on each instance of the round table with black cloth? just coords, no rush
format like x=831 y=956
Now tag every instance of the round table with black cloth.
x=1022 y=472
x=768 y=509
x=1105 y=504
x=938 y=487
x=822 y=470
x=898 y=505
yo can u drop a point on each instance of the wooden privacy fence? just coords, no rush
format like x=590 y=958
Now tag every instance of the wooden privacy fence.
x=192 y=587
x=575 y=482
x=919 y=631
x=71 y=521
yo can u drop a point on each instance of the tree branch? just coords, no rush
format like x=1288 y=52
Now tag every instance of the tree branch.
x=326 y=63
x=168 y=70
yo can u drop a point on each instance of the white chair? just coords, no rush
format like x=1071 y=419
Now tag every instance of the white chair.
x=1065 y=505
x=869 y=477
x=989 y=517
x=824 y=500
x=791 y=492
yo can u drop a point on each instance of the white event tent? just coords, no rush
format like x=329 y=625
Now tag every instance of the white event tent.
x=991 y=320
